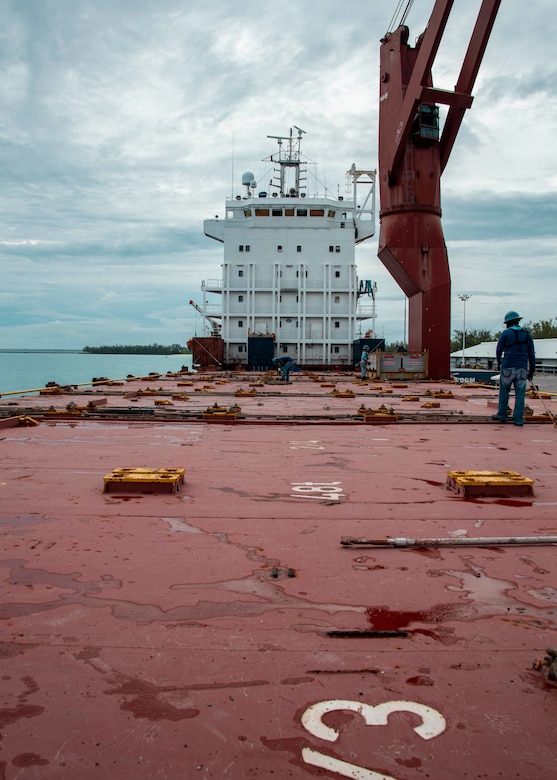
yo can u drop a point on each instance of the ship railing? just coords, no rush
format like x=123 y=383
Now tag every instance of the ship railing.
x=365 y=312
x=212 y=285
x=212 y=310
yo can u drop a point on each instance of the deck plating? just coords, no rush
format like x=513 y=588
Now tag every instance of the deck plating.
x=223 y=631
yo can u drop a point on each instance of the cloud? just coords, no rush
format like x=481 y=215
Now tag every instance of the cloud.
x=125 y=123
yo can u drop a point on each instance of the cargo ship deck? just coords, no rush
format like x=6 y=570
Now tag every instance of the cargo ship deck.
x=252 y=616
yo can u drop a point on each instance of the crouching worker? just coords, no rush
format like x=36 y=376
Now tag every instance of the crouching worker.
x=285 y=364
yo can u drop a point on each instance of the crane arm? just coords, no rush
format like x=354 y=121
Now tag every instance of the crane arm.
x=418 y=90
x=216 y=326
x=468 y=73
x=421 y=74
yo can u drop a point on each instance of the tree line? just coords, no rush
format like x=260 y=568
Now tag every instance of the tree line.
x=544 y=329
x=138 y=349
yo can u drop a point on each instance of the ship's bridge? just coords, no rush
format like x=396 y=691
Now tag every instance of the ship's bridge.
x=275 y=211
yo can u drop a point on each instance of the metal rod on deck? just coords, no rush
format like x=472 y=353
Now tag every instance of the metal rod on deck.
x=463 y=541
x=69 y=384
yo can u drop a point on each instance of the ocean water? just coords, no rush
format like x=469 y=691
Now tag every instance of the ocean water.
x=27 y=371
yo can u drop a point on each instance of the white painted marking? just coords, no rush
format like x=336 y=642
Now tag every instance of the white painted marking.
x=311 y=444
x=341 y=767
x=320 y=490
x=433 y=724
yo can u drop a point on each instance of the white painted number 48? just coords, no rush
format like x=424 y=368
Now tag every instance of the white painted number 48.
x=433 y=724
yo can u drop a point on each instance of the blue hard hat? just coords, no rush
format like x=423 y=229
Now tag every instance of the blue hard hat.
x=366 y=347
x=510 y=316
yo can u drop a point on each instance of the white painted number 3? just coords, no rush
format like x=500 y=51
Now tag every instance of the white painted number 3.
x=433 y=724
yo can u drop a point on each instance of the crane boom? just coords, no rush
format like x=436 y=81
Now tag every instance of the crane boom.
x=412 y=158
x=216 y=326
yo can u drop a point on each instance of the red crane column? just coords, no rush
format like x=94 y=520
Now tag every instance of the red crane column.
x=411 y=160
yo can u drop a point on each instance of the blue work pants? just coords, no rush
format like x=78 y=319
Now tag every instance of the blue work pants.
x=286 y=369
x=508 y=378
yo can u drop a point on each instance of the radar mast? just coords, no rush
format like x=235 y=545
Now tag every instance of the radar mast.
x=289 y=157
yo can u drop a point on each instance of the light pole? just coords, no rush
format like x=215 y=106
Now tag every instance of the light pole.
x=464 y=297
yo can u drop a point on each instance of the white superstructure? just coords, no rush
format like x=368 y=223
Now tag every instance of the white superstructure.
x=289 y=270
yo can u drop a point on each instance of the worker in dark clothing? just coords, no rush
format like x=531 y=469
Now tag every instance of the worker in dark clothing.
x=286 y=365
x=516 y=362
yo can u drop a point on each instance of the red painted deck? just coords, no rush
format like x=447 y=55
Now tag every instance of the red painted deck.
x=199 y=634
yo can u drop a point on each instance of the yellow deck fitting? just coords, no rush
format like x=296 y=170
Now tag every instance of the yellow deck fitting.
x=217 y=413
x=144 y=480
x=379 y=416
x=431 y=405
x=163 y=402
x=440 y=393
x=411 y=398
x=490 y=483
x=249 y=393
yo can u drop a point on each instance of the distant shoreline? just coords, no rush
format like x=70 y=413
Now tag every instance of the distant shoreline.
x=22 y=351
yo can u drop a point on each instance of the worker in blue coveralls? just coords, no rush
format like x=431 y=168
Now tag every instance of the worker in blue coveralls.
x=286 y=364
x=516 y=362
x=364 y=362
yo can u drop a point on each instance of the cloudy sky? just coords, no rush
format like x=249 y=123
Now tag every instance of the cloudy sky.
x=125 y=123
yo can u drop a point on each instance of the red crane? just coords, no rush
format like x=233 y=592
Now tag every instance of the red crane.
x=412 y=157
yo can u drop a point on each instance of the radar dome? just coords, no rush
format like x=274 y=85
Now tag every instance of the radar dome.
x=247 y=178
